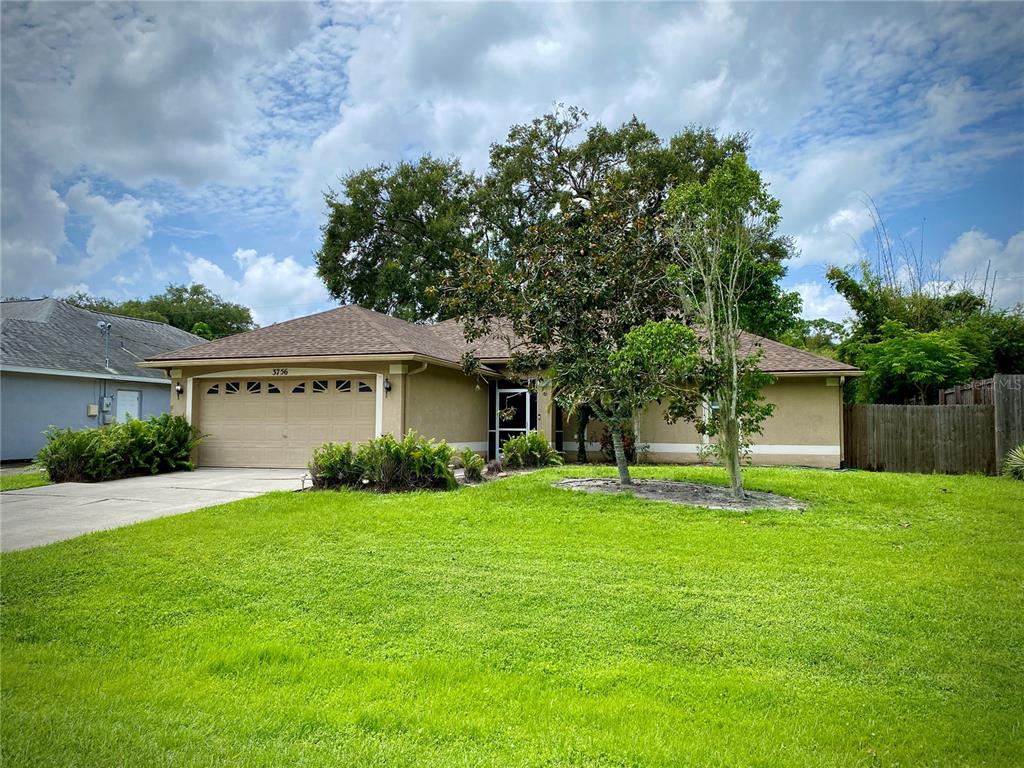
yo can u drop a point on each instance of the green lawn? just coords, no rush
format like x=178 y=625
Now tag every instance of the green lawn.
x=19 y=480
x=516 y=624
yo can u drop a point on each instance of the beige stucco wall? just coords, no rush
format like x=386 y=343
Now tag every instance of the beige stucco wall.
x=805 y=428
x=442 y=403
x=445 y=404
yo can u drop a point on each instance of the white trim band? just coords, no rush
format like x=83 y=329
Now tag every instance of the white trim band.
x=756 y=450
x=573 y=445
x=694 y=448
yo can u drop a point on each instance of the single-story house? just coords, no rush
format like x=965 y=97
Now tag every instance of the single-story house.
x=66 y=366
x=266 y=398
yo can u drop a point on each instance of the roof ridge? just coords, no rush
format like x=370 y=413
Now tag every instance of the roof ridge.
x=373 y=317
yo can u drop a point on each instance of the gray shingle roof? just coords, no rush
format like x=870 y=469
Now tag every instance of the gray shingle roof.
x=353 y=330
x=52 y=335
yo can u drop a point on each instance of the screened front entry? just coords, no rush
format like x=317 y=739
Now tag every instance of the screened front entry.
x=277 y=422
x=513 y=412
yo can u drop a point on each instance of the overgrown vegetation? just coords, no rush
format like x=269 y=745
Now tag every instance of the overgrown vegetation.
x=529 y=450
x=1013 y=463
x=384 y=464
x=516 y=624
x=160 y=444
x=914 y=330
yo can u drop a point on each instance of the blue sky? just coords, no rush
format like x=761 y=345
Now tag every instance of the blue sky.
x=151 y=143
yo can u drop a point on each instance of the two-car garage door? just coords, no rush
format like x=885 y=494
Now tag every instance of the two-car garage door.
x=278 y=422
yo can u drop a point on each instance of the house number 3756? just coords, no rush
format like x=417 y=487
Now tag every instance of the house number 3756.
x=280 y=371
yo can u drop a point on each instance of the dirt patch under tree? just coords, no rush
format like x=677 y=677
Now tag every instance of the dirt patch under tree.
x=695 y=494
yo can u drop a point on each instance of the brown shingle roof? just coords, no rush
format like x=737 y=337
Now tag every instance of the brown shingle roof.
x=782 y=358
x=353 y=330
x=348 y=330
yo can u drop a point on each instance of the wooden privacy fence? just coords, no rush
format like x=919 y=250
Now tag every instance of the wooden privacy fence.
x=953 y=439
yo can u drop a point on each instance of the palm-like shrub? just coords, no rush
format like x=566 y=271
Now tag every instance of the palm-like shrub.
x=66 y=455
x=160 y=444
x=530 y=450
x=413 y=463
x=1013 y=463
x=472 y=464
x=334 y=466
x=385 y=464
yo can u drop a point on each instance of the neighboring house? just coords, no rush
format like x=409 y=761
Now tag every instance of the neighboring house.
x=267 y=397
x=54 y=370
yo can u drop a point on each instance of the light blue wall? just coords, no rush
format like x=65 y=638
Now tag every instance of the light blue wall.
x=29 y=403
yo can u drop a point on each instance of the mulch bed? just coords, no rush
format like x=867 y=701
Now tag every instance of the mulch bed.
x=695 y=494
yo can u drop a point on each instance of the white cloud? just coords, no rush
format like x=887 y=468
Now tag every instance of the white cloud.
x=117 y=227
x=169 y=102
x=974 y=254
x=275 y=289
x=820 y=300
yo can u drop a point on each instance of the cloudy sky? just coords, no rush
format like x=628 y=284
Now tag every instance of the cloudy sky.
x=159 y=142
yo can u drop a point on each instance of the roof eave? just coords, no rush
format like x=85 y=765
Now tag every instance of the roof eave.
x=299 y=359
x=821 y=372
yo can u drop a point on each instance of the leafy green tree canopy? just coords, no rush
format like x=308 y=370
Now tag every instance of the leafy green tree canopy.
x=393 y=234
x=906 y=362
x=183 y=306
x=396 y=233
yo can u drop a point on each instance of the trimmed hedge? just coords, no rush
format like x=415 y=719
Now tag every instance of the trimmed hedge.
x=138 y=447
x=384 y=464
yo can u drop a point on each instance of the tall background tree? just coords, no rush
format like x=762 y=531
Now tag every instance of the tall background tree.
x=194 y=308
x=902 y=306
x=393 y=235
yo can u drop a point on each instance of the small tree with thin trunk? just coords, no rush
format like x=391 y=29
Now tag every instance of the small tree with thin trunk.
x=714 y=226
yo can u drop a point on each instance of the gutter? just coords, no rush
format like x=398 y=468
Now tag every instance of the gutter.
x=86 y=374
x=300 y=359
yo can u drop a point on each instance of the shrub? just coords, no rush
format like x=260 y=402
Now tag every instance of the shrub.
x=66 y=454
x=413 y=463
x=160 y=444
x=173 y=440
x=334 y=466
x=1013 y=463
x=472 y=465
x=529 y=450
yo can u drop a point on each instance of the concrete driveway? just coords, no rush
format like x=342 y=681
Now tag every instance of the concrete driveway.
x=35 y=516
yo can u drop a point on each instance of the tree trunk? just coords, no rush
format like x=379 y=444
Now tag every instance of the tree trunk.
x=582 y=420
x=620 y=453
x=730 y=437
